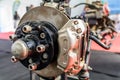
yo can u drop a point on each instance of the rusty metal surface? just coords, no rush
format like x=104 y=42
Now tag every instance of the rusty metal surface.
x=50 y=71
x=72 y=46
x=53 y=16
x=48 y=14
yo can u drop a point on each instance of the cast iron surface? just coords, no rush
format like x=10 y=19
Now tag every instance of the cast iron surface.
x=48 y=14
x=54 y=17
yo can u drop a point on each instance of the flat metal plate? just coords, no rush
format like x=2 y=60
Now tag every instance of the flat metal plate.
x=55 y=17
x=52 y=15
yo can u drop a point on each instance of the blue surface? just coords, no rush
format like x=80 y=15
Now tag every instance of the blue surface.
x=114 y=6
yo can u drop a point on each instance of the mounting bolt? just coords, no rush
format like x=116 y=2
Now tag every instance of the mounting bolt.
x=26 y=28
x=79 y=30
x=42 y=35
x=32 y=66
x=76 y=22
x=40 y=48
x=12 y=37
x=14 y=59
x=45 y=56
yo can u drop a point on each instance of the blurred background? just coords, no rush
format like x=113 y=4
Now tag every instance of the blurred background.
x=8 y=8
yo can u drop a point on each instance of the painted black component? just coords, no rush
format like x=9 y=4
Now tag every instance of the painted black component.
x=41 y=33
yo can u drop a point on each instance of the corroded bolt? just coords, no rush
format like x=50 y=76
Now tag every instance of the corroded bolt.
x=76 y=67
x=79 y=30
x=26 y=28
x=12 y=37
x=32 y=66
x=14 y=59
x=76 y=22
x=40 y=48
x=76 y=63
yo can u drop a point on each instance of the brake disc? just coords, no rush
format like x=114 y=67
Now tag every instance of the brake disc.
x=48 y=14
x=54 y=17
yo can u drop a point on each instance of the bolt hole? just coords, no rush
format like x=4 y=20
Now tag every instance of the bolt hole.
x=10 y=37
x=42 y=35
x=13 y=59
x=30 y=67
x=39 y=48
x=24 y=29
